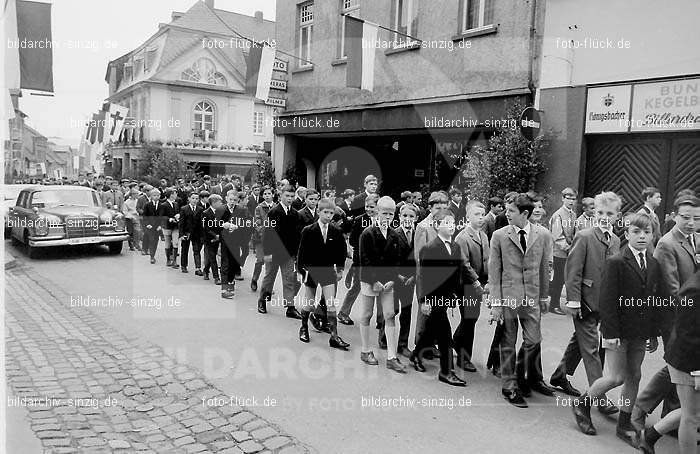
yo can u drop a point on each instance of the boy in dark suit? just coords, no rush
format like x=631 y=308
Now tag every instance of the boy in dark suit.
x=379 y=259
x=152 y=223
x=320 y=262
x=260 y=217
x=191 y=232
x=308 y=213
x=495 y=207
x=169 y=211
x=211 y=231
x=235 y=226
x=440 y=275
x=371 y=183
x=630 y=311
x=280 y=246
x=404 y=288
x=455 y=206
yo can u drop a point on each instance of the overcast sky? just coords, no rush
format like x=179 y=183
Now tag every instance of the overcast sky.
x=79 y=73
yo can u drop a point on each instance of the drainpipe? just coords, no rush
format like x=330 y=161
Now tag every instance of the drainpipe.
x=531 y=56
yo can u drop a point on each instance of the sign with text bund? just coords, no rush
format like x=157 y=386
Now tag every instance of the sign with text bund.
x=666 y=106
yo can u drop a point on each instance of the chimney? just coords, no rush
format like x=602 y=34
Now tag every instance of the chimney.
x=176 y=15
x=259 y=16
x=209 y=3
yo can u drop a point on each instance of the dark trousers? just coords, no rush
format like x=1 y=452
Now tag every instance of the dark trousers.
x=528 y=365
x=403 y=300
x=437 y=326
x=196 y=252
x=229 y=265
x=153 y=237
x=351 y=296
x=494 y=359
x=464 y=334
x=145 y=244
x=583 y=345
x=557 y=283
x=210 y=250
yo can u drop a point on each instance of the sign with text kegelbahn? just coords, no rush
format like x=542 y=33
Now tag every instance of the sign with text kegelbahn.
x=666 y=106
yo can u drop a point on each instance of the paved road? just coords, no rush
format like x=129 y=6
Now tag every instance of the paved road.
x=167 y=331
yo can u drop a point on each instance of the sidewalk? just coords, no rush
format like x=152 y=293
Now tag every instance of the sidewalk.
x=85 y=387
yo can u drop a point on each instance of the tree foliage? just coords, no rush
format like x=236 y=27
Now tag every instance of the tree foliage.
x=156 y=162
x=508 y=163
x=263 y=172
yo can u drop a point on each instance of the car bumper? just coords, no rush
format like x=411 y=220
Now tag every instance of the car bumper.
x=49 y=241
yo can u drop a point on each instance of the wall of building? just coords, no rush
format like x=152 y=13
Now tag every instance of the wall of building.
x=497 y=61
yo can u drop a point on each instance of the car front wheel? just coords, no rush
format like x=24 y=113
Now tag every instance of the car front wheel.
x=115 y=247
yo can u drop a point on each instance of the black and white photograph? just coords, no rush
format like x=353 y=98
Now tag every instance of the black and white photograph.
x=350 y=226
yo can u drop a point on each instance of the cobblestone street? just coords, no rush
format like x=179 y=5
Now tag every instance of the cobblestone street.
x=88 y=388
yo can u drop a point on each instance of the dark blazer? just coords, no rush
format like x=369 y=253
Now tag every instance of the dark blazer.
x=240 y=217
x=281 y=236
x=407 y=264
x=210 y=226
x=298 y=203
x=500 y=221
x=167 y=213
x=317 y=257
x=151 y=215
x=440 y=273
x=624 y=310
x=191 y=221
x=584 y=266
x=308 y=218
x=357 y=207
x=459 y=212
x=379 y=256
x=683 y=348
x=358 y=226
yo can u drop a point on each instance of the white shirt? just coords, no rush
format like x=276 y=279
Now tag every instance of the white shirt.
x=324 y=229
x=447 y=243
x=285 y=208
x=641 y=261
x=526 y=228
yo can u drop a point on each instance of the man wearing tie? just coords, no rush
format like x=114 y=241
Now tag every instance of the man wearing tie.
x=652 y=201
x=153 y=224
x=404 y=288
x=234 y=227
x=191 y=232
x=678 y=254
x=519 y=262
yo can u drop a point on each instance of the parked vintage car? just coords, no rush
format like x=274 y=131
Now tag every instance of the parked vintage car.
x=46 y=216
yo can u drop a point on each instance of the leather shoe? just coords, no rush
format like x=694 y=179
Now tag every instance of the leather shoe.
x=608 y=409
x=563 y=384
x=417 y=363
x=542 y=388
x=644 y=445
x=316 y=322
x=304 y=334
x=238 y=277
x=198 y=273
x=338 y=342
x=556 y=310
x=524 y=388
x=262 y=307
x=628 y=434
x=514 y=397
x=254 y=285
x=227 y=294
x=368 y=358
x=184 y=270
x=217 y=281
x=153 y=261
x=451 y=379
x=467 y=366
x=405 y=351
x=344 y=319
x=582 y=412
x=395 y=365
x=293 y=313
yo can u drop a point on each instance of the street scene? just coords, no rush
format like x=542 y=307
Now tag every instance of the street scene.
x=351 y=226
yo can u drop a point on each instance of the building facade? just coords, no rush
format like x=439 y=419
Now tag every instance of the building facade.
x=185 y=89
x=625 y=108
x=432 y=101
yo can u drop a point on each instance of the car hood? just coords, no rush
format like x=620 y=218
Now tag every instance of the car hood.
x=63 y=212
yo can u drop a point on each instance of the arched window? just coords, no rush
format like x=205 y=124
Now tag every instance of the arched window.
x=204 y=71
x=204 y=120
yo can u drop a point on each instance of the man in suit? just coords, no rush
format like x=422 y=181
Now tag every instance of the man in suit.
x=358 y=204
x=299 y=198
x=191 y=232
x=440 y=276
x=502 y=220
x=253 y=199
x=170 y=212
x=652 y=202
x=678 y=254
x=308 y=213
x=235 y=229
x=562 y=224
x=583 y=276
x=113 y=197
x=206 y=184
x=211 y=231
x=474 y=245
x=320 y=261
x=520 y=260
x=352 y=279
x=153 y=224
x=260 y=221
x=348 y=196
x=495 y=207
x=280 y=246
x=404 y=288
x=141 y=202
x=456 y=208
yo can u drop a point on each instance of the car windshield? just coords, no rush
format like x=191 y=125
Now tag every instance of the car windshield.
x=64 y=198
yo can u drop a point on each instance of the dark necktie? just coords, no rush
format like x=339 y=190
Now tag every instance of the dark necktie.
x=642 y=263
x=523 y=243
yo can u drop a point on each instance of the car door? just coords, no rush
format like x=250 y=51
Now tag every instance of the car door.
x=18 y=215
